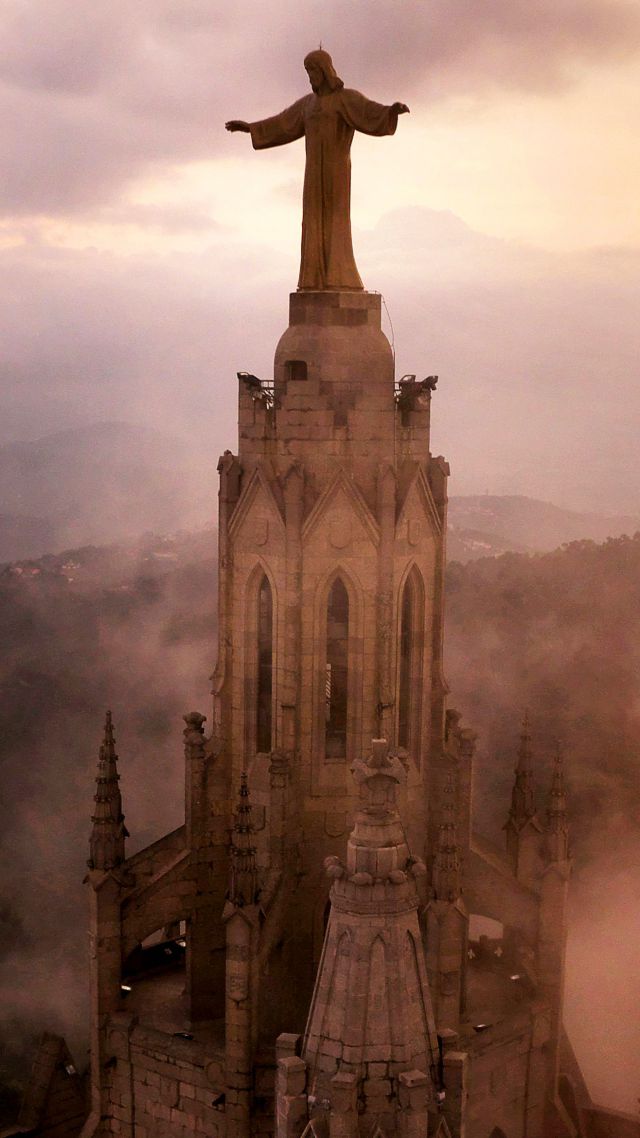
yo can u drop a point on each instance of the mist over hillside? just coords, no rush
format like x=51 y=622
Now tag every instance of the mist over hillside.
x=109 y=482
x=484 y=525
x=132 y=626
x=106 y=482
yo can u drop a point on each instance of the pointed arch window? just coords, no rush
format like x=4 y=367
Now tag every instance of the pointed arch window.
x=264 y=686
x=336 y=695
x=410 y=666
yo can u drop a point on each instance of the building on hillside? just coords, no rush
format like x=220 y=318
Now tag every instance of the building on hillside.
x=325 y=947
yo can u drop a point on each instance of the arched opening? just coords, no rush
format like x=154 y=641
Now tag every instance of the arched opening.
x=336 y=693
x=264 y=668
x=157 y=963
x=410 y=652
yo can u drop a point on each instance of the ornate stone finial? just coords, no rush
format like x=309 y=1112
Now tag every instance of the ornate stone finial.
x=194 y=730
x=523 y=803
x=243 y=873
x=446 y=878
x=557 y=819
x=108 y=833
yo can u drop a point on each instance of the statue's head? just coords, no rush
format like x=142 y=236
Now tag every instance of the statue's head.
x=321 y=71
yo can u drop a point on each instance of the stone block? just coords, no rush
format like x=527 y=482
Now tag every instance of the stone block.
x=292 y=1075
x=344 y=1089
x=376 y=1088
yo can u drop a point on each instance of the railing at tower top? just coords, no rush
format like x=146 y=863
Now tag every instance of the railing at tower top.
x=412 y=393
x=409 y=387
x=259 y=390
x=408 y=391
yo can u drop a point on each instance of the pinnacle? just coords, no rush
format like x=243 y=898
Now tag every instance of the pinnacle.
x=524 y=750
x=557 y=805
x=106 y=844
x=243 y=874
x=523 y=804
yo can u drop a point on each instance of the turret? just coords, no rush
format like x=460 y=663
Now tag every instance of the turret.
x=523 y=826
x=446 y=879
x=105 y=878
x=446 y=919
x=106 y=844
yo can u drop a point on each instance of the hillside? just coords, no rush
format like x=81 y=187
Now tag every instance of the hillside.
x=132 y=626
x=487 y=525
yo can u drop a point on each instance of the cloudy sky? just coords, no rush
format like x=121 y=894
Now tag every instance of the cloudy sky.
x=147 y=254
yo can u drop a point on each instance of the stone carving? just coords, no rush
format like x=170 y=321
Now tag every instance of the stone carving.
x=327 y=118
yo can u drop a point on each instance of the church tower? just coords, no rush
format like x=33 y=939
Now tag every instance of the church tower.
x=426 y=964
x=332 y=517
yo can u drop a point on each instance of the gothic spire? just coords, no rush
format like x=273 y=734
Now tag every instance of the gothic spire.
x=557 y=820
x=446 y=866
x=106 y=844
x=394 y=1024
x=523 y=803
x=243 y=873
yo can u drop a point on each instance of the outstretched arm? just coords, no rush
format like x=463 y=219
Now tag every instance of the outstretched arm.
x=369 y=117
x=274 y=131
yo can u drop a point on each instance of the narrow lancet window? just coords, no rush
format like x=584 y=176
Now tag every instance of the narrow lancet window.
x=407 y=626
x=265 y=667
x=336 y=680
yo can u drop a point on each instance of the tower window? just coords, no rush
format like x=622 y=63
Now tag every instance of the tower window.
x=406 y=653
x=410 y=666
x=296 y=369
x=265 y=667
x=336 y=677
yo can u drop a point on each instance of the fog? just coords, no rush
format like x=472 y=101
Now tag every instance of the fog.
x=558 y=634
x=135 y=629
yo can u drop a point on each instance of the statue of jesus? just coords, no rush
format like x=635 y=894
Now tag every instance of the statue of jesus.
x=327 y=118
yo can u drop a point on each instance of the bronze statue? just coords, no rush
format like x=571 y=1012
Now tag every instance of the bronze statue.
x=327 y=119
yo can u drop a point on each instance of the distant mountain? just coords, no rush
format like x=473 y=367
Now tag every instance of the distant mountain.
x=106 y=482
x=488 y=525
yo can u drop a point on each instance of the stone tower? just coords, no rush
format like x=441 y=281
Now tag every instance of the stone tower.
x=435 y=964
x=430 y=976
x=331 y=538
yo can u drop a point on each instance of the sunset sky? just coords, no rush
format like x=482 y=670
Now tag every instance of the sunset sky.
x=147 y=254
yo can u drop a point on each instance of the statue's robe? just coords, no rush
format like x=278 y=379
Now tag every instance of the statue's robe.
x=328 y=123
